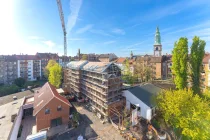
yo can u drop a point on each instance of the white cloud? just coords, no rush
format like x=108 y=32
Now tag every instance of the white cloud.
x=84 y=29
x=34 y=37
x=74 y=12
x=118 y=31
x=109 y=42
x=77 y=39
x=100 y=32
x=49 y=43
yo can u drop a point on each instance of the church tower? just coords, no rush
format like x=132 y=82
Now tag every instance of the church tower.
x=157 y=45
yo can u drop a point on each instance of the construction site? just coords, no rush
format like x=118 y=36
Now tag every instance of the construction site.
x=99 y=83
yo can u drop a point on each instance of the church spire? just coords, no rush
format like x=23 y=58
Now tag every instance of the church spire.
x=157 y=37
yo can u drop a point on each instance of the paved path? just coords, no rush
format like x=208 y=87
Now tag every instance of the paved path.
x=104 y=131
x=91 y=128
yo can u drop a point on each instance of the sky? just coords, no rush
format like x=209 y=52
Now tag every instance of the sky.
x=101 y=26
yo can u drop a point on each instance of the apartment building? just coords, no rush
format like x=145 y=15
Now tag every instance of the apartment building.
x=45 y=57
x=206 y=71
x=152 y=64
x=28 y=67
x=100 y=82
x=107 y=57
x=8 y=69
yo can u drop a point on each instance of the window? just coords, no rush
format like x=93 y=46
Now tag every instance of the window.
x=47 y=111
x=59 y=108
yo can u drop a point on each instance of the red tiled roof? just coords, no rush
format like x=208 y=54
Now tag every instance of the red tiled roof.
x=25 y=57
x=206 y=58
x=120 y=60
x=45 y=95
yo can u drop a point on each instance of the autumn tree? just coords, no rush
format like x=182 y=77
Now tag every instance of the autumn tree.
x=84 y=57
x=128 y=76
x=196 y=57
x=186 y=112
x=179 y=59
x=50 y=64
x=55 y=75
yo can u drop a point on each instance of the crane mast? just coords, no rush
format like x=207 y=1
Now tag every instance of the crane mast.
x=63 y=26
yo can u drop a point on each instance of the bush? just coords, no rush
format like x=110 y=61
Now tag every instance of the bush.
x=20 y=82
x=156 y=124
x=9 y=89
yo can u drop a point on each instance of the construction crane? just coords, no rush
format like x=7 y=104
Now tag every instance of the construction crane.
x=63 y=26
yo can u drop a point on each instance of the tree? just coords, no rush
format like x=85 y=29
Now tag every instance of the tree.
x=50 y=64
x=55 y=75
x=186 y=112
x=20 y=82
x=179 y=59
x=196 y=57
x=84 y=57
x=127 y=74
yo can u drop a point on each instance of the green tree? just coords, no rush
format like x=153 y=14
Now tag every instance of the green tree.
x=55 y=75
x=128 y=76
x=20 y=82
x=186 y=112
x=84 y=57
x=50 y=64
x=179 y=59
x=196 y=57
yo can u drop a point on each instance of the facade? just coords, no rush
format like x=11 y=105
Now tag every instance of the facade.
x=140 y=98
x=45 y=57
x=205 y=75
x=28 y=67
x=99 y=82
x=149 y=63
x=8 y=69
x=107 y=57
x=120 y=61
x=50 y=108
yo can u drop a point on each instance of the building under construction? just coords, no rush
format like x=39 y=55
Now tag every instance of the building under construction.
x=99 y=82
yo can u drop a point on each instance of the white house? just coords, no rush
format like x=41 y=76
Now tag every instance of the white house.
x=141 y=97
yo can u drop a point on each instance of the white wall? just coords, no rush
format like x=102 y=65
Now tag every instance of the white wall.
x=145 y=111
x=17 y=122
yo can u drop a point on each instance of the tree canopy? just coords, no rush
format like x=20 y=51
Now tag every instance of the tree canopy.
x=186 y=112
x=20 y=82
x=55 y=75
x=127 y=74
x=179 y=59
x=196 y=57
x=84 y=57
x=49 y=65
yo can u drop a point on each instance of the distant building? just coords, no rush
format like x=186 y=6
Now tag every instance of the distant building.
x=45 y=57
x=107 y=57
x=28 y=67
x=205 y=75
x=120 y=62
x=8 y=69
x=99 y=82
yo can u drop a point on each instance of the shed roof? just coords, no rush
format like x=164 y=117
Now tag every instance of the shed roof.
x=145 y=93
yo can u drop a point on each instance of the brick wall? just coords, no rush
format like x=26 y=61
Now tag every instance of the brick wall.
x=44 y=120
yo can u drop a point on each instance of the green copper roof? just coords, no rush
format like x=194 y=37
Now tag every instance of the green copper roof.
x=157 y=37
